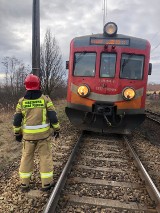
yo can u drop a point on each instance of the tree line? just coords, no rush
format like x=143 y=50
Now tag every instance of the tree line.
x=52 y=74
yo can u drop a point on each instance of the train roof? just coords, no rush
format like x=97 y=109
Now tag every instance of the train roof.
x=134 y=42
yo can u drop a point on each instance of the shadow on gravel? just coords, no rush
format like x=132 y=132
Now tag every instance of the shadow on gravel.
x=150 y=132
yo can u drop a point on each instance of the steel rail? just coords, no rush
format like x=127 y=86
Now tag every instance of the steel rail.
x=153 y=119
x=153 y=113
x=53 y=200
x=152 y=189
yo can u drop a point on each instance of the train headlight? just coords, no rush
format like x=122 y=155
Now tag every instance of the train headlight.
x=110 y=28
x=83 y=90
x=128 y=93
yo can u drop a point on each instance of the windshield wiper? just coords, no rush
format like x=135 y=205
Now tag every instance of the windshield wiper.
x=126 y=61
x=80 y=56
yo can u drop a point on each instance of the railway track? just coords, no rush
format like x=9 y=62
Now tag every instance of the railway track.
x=153 y=116
x=151 y=127
x=103 y=178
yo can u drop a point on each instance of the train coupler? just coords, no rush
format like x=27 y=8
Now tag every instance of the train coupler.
x=107 y=121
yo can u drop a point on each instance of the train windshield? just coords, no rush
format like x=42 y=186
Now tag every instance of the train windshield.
x=84 y=64
x=132 y=66
x=108 y=65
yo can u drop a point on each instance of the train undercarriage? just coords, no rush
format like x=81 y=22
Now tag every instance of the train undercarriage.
x=104 y=118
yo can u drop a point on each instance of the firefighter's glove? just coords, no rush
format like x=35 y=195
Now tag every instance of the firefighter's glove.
x=18 y=138
x=56 y=134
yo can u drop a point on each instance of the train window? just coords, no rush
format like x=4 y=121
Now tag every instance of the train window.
x=132 y=66
x=108 y=65
x=84 y=64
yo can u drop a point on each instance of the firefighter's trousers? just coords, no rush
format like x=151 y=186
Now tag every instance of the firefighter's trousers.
x=44 y=150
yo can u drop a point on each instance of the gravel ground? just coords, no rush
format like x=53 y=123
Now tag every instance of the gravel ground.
x=11 y=198
x=110 y=176
x=93 y=209
x=149 y=128
x=149 y=155
x=92 y=178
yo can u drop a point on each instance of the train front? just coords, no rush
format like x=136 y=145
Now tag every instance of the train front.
x=107 y=81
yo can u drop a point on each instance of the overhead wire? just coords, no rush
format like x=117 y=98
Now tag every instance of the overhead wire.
x=154 y=36
x=153 y=40
x=155 y=47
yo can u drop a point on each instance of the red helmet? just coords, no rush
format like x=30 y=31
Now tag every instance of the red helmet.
x=32 y=82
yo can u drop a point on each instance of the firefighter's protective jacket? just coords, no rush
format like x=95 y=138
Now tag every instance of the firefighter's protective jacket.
x=35 y=114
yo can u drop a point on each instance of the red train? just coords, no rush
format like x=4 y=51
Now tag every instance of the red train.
x=107 y=81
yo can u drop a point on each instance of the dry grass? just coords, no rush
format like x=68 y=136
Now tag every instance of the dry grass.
x=60 y=109
x=153 y=105
x=9 y=148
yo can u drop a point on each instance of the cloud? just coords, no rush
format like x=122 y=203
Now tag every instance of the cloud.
x=75 y=18
x=2 y=75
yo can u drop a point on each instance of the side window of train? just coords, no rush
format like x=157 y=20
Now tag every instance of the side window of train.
x=108 y=65
x=132 y=66
x=84 y=64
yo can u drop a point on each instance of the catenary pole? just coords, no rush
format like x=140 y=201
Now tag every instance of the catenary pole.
x=36 y=38
x=104 y=11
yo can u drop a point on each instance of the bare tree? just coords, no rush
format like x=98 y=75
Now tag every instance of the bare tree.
x=15 y=73
x=13 y=87
x=19 y=77
x=52 y=71
x=11 y=64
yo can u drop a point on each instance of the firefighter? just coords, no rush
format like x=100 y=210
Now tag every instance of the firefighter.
x=33 y=119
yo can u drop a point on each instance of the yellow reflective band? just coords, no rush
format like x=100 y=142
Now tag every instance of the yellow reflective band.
x=24 y=116
x=46 y=174
x=49 y=104
x=29 y=104
x=18 y=106
x=34 y=131
x=44 y=116
x=16 y=129
x=56 y=126
x=25 y=175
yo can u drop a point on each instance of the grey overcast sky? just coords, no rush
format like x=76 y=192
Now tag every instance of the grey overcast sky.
x=71 y=18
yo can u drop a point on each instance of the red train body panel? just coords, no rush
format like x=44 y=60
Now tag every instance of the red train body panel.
x=107 y=66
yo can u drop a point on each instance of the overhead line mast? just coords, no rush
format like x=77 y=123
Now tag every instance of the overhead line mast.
x=104 y=11
x=36 y=38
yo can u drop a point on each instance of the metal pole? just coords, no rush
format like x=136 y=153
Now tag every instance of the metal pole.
x=104 y=8
x=104 y=12
x=36 y=38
